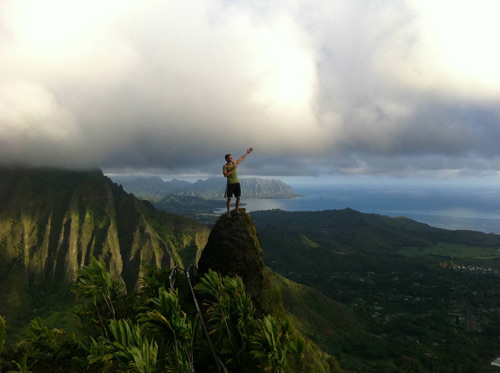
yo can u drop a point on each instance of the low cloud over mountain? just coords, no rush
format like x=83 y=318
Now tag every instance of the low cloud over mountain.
x=340 y=87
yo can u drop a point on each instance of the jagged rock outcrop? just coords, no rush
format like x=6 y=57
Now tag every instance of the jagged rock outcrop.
x=53 y=221
x=233 y=249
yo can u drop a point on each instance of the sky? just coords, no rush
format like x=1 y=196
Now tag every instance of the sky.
x=379 y=88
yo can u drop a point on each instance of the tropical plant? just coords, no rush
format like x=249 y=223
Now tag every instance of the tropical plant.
x=164 y=316
x=298 y=349
x=94 y=282
x=39 y=333
x=129 y=348
x=230 y=318
x=163 y=337
x=40 y=343
x=153 y=279
x=271 y=343
x=22 y=367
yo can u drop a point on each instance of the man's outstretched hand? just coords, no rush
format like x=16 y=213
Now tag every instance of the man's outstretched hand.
x=249 y=150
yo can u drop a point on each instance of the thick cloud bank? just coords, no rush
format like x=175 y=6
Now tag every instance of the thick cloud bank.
x=357 y=87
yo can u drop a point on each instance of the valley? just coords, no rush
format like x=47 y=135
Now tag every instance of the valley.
x=427 y=302
x=376 y=293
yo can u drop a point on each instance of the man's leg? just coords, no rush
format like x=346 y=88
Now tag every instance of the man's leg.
x=237 y=194
x=237 y=204
x=229 y=205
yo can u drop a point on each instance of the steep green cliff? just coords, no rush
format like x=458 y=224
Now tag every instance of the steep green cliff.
x=53 y=221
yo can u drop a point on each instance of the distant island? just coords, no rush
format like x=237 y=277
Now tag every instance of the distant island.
x=200 y=199
x=154 y=188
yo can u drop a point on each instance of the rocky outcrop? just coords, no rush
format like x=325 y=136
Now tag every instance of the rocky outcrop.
x=233 y=249
x=53 y=221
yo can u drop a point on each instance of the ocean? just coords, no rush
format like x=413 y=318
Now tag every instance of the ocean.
x=454 y=207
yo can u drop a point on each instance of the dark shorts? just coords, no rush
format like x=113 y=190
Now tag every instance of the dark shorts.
x=233 y=189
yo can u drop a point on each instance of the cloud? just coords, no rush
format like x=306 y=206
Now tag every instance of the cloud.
x=334 y=87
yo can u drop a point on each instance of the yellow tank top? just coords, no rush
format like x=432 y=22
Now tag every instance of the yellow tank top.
x=233 y=178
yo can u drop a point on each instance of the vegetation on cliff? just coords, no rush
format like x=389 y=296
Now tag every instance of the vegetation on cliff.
x=52 y=222
x=390 y=294
x=233 y=249
x=76 y=230
x=155 y=329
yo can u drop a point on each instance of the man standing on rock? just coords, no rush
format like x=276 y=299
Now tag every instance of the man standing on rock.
x=233 y=184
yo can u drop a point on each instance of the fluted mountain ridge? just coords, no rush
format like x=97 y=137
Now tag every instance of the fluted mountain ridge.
x=53 y=221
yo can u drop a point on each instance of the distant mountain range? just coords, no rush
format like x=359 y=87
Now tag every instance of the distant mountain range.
x=154 y=187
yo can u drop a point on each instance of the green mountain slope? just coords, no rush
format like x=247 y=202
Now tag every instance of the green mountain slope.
x=377 y=293
x=49 y=216
x=341 y=239
x=427 y=298
x=53 y=221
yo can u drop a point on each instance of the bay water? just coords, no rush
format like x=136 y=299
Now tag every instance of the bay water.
x=455 y=207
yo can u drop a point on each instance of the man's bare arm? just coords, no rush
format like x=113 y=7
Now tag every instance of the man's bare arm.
x=226 y=172
x=249 y=150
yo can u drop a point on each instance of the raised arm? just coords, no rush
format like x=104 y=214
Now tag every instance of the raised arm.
x=249 y=150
